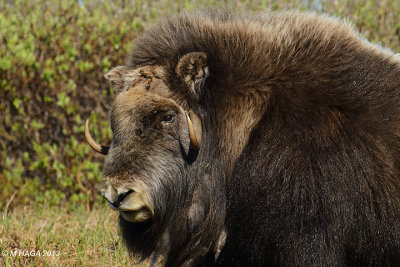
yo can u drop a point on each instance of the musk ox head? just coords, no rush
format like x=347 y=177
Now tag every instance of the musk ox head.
x=148 y=174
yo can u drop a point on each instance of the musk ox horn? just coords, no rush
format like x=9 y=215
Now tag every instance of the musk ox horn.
x=96 y=147
x=195 y=130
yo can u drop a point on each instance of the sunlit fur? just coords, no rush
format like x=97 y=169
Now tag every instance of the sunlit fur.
x=299 y=161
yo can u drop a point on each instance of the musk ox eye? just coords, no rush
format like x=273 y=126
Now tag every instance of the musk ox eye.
x=168 y=118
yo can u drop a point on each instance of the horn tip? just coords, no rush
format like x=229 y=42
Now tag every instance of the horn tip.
x=92 y=143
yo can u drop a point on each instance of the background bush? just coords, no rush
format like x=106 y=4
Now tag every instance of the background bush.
x=53 y=55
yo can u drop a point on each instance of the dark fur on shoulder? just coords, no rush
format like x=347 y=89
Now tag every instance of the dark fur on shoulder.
x=299 y=163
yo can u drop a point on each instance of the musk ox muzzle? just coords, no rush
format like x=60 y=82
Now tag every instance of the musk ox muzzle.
x=132 y=202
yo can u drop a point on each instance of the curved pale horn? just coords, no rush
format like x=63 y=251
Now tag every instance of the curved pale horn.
x=96 y=147
x=195 y=130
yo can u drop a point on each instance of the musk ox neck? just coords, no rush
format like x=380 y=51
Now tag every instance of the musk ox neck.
x=236 y=116
x=204 y=227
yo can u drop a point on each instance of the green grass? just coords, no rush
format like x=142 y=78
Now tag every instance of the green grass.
x=77 y=238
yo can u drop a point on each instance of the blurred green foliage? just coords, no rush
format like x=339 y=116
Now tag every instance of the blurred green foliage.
x=53 y=55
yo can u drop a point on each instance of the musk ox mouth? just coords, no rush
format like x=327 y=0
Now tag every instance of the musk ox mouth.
x=136 y=216
x=133 y=202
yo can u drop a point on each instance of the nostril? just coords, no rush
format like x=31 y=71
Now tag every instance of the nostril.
x=114 y=199
x=121 y=197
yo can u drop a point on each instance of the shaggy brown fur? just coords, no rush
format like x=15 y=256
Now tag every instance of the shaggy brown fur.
x=299 y=161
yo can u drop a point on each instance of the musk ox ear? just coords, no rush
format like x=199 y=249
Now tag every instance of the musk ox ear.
x=120 y=77
x=192 y=69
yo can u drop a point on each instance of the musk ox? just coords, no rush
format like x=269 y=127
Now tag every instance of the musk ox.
x=255 y=140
